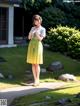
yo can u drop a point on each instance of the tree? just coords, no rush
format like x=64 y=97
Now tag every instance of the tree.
x=35 y=5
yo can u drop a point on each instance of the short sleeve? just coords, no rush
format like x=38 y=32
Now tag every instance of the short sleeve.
x=43 y=32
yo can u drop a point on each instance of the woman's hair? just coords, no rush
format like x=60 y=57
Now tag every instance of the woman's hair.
x=37 y=17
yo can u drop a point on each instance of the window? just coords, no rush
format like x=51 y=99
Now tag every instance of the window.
x=3 y=25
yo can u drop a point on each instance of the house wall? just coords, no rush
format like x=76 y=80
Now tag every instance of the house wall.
x=10 y=25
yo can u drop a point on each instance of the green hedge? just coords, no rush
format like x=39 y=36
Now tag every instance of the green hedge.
x=65 y=40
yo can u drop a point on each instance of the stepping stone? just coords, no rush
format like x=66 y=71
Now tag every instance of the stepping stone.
x=55 y=66
x=67 y=77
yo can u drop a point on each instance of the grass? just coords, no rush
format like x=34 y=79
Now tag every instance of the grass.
x=16 y=65
x=68 y=91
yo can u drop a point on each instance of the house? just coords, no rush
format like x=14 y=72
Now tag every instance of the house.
x=7 y=14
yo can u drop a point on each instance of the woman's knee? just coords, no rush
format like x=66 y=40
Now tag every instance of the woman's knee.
x=33 y=65
x=36 y=65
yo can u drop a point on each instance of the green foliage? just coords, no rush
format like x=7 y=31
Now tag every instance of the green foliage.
x=65 y=40
x=71 y=11
x=53 y=16
x=27 y=4
x=61 y=13
x=39 y=5
x=74 y=45
x=35 y=5
x=53 y=12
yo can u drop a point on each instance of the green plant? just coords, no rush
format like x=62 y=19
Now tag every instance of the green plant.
x=35 y=5
x=74 y=46
x=65 y=40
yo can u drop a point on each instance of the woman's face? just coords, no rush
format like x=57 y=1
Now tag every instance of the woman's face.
x=37 y=23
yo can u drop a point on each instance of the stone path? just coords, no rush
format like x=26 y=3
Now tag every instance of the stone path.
x=12 y=93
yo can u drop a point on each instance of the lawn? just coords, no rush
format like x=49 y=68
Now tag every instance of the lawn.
x=50 y=98
x=16 y=65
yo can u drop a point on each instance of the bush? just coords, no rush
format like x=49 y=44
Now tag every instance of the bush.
x=74 y=46
x=53 y=16
x=64 y=40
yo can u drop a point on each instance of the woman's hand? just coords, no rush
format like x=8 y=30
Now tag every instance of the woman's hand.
x=30 y=36
x=38 y=36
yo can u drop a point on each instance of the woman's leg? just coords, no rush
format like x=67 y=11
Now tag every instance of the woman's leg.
x=34 y=72
x=37 y=67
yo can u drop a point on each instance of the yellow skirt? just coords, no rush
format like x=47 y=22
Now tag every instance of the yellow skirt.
x=35 y=52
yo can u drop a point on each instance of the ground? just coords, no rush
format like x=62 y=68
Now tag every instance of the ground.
x=51 y=97
x=17 y=66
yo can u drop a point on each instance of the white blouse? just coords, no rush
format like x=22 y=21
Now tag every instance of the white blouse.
x=41 y=31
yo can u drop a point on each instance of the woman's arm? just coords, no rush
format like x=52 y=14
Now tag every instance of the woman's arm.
x=30 y=33
x=42 y=34
x=40 y=38
x=30 y=36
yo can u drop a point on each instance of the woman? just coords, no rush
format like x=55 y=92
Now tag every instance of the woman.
x=35 y=48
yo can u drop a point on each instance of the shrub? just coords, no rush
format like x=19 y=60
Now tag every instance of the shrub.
x=74 y=46
x=64 y=40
